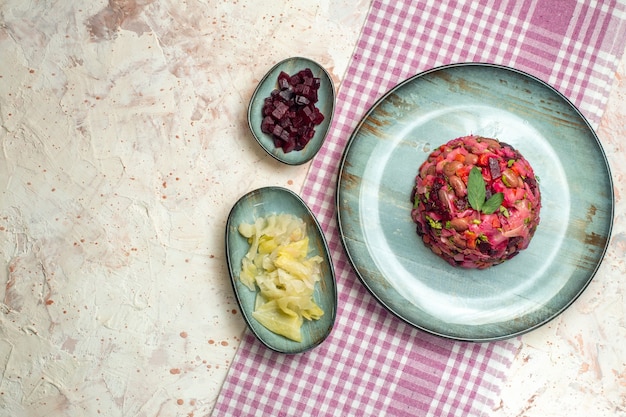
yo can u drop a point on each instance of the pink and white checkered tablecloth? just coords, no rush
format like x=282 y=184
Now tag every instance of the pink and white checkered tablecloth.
x=373 y=364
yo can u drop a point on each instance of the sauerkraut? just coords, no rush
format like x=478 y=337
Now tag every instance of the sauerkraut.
x=476 y=202
x=278 y=264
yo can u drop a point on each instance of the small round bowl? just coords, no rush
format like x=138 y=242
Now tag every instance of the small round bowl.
x=326 y=105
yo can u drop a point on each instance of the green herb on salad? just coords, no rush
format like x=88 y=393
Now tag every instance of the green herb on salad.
x=477 y=192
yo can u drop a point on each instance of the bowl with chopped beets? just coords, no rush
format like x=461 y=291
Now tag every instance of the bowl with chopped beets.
x=291 y=109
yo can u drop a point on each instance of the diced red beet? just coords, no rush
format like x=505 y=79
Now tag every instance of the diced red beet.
x=286 y=94
x=307 y=113
x=288 y=146
x=283 y=80
x=285 y=122
x=494 y=168
x=290 y=114
x=297 y=121
x=280 y=110
x=277 y=131
x=267 y=125
x=319 y=117
x=301 y=100
x=295 y=79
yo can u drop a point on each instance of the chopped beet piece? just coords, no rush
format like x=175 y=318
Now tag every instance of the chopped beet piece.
x=297 y=121
x=267 y=125
x=301 y=100
x=494 y=168
x=280 y=110
x=308 y=113
x=288 y=146
x=289 y=113
x=295 y=80
x=319 y=117
x=283 y=80
x=277 y=131
x=286 y=94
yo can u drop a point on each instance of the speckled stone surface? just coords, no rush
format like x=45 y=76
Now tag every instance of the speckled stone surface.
x=124 y=146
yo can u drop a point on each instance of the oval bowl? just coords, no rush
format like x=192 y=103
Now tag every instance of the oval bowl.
x=326 y=105
x=276 y=200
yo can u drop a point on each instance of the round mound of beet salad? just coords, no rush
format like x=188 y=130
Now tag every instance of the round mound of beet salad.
x=289 y=113
x=476 y=202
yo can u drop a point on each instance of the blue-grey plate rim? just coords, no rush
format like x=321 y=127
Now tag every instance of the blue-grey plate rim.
x=326 y=104
x=467 y=334
x=261 y=202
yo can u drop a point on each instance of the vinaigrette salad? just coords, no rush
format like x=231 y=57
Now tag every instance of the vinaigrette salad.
x=476 y=202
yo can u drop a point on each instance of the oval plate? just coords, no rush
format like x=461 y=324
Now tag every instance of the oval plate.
x=326 y=105
x=378 y=170
x=276 y=200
